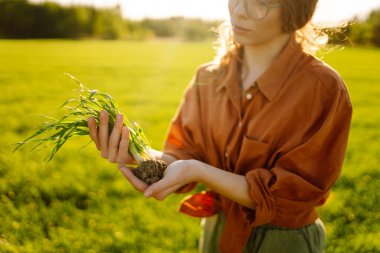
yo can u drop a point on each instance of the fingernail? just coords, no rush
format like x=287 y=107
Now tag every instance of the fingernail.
x=147 y=194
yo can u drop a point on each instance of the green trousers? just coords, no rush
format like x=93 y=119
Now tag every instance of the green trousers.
x=266 y=238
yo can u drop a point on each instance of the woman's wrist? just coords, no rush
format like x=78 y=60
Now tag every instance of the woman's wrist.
x=230 y=185
x=197 y=169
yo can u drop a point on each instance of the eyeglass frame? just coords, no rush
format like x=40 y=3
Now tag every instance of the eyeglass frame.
x=268 y=6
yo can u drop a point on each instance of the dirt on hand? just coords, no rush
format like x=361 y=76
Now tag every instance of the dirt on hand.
x=150 y=171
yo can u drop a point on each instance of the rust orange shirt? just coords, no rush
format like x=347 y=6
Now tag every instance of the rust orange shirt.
x=287 y=135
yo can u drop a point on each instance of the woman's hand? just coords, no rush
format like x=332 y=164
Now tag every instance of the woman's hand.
x=138 y=184
x=113 y=147
x=176 y=175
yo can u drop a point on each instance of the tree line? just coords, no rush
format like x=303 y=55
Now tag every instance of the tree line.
x=20 y=19
x=366 y=32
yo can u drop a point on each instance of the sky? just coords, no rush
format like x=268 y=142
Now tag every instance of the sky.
x=327 y=10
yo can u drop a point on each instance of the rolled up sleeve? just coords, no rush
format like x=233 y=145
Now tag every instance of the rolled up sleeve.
x=184 y=133
x=184 y=138
x=301 y=178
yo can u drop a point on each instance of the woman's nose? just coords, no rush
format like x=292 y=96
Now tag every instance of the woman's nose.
x=238 y=10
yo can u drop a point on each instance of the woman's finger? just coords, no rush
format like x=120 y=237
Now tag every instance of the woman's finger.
x=114 y=140
x=161 y=188
x=103 y=133
x=93 y=131
x=135 y=182
x=123 y=155
x=161 y=195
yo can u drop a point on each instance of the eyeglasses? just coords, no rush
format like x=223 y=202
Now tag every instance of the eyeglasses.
x=256 y=9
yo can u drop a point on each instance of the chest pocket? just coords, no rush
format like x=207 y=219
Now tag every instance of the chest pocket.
x=253 y=154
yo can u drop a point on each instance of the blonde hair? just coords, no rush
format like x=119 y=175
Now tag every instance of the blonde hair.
x=296 y=17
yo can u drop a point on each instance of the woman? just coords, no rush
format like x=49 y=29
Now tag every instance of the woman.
x=265 y=127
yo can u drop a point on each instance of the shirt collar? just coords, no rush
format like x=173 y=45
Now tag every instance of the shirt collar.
x=271 y=81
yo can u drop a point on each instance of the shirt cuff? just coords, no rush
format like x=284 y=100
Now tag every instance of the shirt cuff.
x=259 y=181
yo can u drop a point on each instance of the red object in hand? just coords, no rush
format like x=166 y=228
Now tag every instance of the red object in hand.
x=203 y=204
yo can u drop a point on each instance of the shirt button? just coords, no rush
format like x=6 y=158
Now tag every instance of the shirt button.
x=249 y=96
x=226 y=154
x=239 y=124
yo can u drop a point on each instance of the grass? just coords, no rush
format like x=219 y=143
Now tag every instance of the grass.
x=80 y=203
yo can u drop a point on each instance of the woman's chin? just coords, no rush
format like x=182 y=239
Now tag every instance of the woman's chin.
x=245 y=40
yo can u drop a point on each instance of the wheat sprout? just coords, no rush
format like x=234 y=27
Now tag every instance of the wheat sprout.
x=55 y=132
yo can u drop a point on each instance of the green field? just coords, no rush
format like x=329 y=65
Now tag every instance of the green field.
x=81 y=203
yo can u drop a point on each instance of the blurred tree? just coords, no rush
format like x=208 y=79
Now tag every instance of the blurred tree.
x=136 y=31
x=20 y=19
x=163 y=27
x=187 y=29
x=108 y=23
x=16 y=19
x=366 y=32
x=197 y=30
x=360 y=32
x=374 y=21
